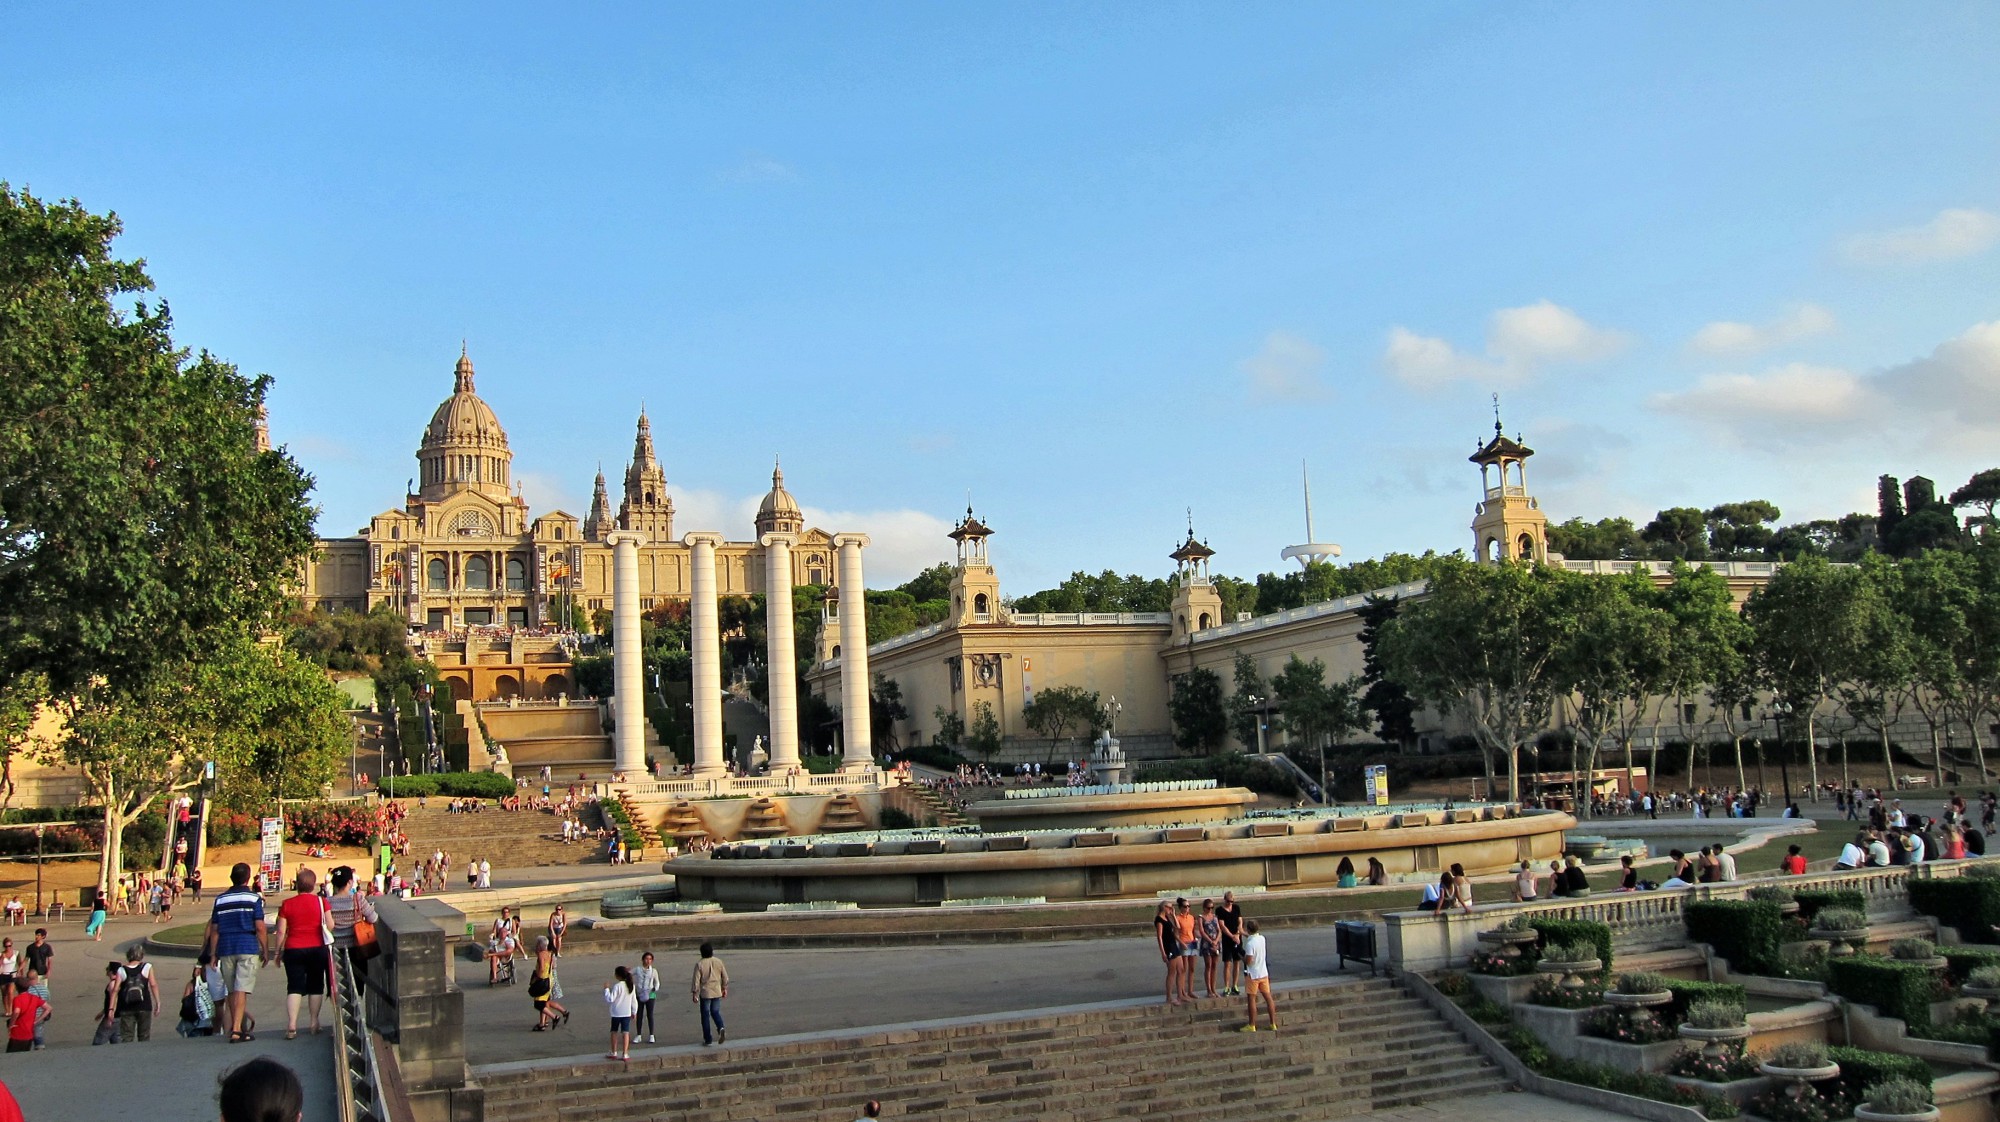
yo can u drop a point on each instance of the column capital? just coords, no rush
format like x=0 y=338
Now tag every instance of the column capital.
x=624 y=537
x=778 y=537
x=710 y=538
x=841 y=541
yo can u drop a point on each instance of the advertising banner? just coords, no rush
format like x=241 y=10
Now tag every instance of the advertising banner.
x=271 y=859
x=1377 y=776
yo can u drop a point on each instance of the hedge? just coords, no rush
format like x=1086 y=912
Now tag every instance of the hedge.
x=450 y=784
x=1861 y=1069
x=1902 y=990
x=1969 y=904
x=1536 y=1056
x=1687 y=992
x=1749 y=933
x=627 y=832
x=1811 y=901
x=1964 y=960
x=1562 y=932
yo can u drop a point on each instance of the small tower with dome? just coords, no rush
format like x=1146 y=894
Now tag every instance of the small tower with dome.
x=464 y=448
x=598 y=525
x=1197 y=606
x=1508 y=524
x=975 y=587
x=779 y=513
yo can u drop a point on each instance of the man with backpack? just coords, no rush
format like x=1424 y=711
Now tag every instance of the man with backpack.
x=136 y=996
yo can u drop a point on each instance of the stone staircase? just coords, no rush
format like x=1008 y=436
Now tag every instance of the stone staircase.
x=1346 y=1048
x=927 y=806
x=505 y=838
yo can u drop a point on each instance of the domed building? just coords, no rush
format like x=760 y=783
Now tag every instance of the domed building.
x=489 y=585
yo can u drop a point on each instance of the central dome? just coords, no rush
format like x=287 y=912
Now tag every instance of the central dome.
x=464 y=447
x=464 y=418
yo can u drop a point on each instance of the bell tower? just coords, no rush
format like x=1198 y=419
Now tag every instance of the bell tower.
x=975 y=587
x=1508 y=524
x=1197 y=606
x=646 y=509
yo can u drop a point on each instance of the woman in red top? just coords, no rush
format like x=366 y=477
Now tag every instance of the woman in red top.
x=304 y=933
x=26 y=1011
x=1794 y=863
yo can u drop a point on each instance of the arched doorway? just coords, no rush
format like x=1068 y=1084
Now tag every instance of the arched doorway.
x=506 y=686
x=554 y=686
x=461 y=690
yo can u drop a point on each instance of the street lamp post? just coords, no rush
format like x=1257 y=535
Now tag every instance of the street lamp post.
x=1260 y=704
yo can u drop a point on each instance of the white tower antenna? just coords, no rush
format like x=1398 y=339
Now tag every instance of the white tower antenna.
x=1312 y=551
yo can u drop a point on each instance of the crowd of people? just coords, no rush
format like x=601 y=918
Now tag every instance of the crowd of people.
x=1219 y=939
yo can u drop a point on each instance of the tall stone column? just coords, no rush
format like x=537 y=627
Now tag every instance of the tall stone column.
x=707 y=644
x=781 y=656
x=857 y=737
x=628 y=678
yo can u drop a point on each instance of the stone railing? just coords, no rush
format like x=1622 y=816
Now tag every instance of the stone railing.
x=419 y=1013
x=1111 y=789
x=1640 y=920
x=759 y=785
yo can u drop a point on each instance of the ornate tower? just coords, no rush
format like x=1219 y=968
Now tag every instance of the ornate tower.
x=1197 y=606
x=1508 y=523
x=647 y=509
x=599 y=523
x=779 y=513
x=464 y=448
x=975 y=588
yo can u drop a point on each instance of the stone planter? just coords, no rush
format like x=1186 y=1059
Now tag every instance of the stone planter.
x=1841 y=943
x=1637 y=1000
x=1715 y=1041
x=1799 y=1078
x=1980 y=993
x=1573 y=973
x=1864 y=1113
x=1508 y=944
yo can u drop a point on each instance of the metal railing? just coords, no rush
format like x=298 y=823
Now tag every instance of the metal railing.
x=360 y=1086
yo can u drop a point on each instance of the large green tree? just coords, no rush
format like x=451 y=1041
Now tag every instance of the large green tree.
x=139 y=524
x=1982 y=491
x=1062 y=712
x=1809 y=626
x=1195 y=707
x=1316 y=711
x=1610 y=653
x=1876 y=689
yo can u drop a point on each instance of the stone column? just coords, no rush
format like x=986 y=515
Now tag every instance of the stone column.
x=781 y=656
x=707 y=644
x=857 y=738
x=628 y=676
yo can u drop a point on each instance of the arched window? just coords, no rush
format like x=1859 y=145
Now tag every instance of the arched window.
x=517 y=575
x=836 y=650
x=980 y=609
x=395 y=533
x=1493 y=549
x=1525 y=547
x=1204 y=623
x=478 y=573
x=559 y=531
x=437 y=575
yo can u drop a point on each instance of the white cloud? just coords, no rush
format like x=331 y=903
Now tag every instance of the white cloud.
x=1946 y=402
x=758 y=168
x=1286 y=368
x=1520 y=343
x=1727 y=337
x=548 y=494
x=1958 y=232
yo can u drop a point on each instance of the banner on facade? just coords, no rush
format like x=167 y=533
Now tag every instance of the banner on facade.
x=1377 y=777
x=271 y=858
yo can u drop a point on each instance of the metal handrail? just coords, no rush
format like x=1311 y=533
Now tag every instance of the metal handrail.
x=360 y=1086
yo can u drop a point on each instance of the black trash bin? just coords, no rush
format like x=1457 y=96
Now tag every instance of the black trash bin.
x=1355 y=939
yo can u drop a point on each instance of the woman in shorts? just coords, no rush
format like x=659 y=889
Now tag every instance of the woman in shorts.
x=542 y=985
x=1166 y=935
x=1188 y=931
x=1211 y=944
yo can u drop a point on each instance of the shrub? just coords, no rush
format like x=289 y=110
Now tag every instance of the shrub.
x=1627 y=1026
x=1861 y=1069
x=1812 y=901
x=1970 y=904
x=1985 y=977
x=1715 y=1014
x=1797 y=1054
x=451 y=785
x=1228 y=769
x=1903 y=990
x=1522 y=922
x=349 y=823
x=1771 y=894
x=1749 y=933
x=1839 y=919
x=1641 y=982
x=1898 y=1096
x=1571 y=953
x=931 y=755
x=894 y=819
x=1913 y=950
x=1962 y=961
x=1688 y=994
x=1734 y=1064
x=1548 y=991
x=622 y=822
x=1573 y=931
x=1453 y=984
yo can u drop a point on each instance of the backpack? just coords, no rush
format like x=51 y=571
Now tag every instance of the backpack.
x=133 y=995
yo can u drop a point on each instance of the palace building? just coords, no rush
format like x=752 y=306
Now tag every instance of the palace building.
x=489 y=583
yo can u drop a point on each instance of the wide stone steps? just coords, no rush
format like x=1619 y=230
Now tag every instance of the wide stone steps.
x=1344 y=1049
x=511 y=839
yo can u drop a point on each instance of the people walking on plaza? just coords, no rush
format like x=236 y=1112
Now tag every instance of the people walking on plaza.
x=345 y=907
x=95 y=928
x=485 y=873
x=25 y=1014
x=38 y=986
x=261 y=1090
x=710 y=985
x=646 y=987
x=1210 y=932
x=236 y=935
x=558 y=926
x=197 y=1003
x=10 y=965
x=549 y=1011
x=1257 y=976
x=305 y=932
x=1166 y=936
x=1230 y=916
x=619 y=996
x=138 y=997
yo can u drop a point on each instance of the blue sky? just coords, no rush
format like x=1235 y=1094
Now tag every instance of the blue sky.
x=1095 y=264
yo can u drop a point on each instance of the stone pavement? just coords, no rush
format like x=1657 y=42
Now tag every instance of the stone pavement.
x=166 y=1079
x=1507 y=1106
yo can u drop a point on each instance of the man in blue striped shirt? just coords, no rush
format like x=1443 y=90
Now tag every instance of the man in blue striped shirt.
x=236 y=936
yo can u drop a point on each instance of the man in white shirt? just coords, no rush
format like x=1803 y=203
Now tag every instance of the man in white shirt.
x=1878 y=853
x=1257 y=976
x=1726 y=863
x=1854 y=854
x=1896 y=816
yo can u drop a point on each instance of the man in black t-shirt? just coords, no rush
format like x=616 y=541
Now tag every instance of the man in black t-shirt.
x=40 y=953
x=1231 y=918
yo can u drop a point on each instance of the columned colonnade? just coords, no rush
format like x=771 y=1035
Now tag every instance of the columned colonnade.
x=628 y=712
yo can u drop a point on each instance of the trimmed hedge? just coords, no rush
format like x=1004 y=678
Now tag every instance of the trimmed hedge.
x=1861 y=1069
x=1749 y=933
x=1688 y=992
x=450 y=784
x=1969 y=904
x=1811 y=902
x=1563 y=932
x=1903 y=990
x=1964 y=960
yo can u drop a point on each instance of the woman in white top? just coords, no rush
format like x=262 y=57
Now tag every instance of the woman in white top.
x=624 y=1003
x=1524 y=883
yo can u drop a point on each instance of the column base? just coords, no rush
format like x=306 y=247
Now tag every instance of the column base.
x=717 y=771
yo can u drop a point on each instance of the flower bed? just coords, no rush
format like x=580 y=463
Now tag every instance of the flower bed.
x=1734 y=1064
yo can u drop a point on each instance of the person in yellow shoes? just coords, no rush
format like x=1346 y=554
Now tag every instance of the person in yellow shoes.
x=1257 y=976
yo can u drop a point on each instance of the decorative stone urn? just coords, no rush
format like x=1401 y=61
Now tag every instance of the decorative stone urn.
x=1980 y=993
x=1573 y=973
x=1863 y=1113
x=1800 y=1079
x=1841 y=943
x=1508 y=944
x=1715 y=1041
x=1637 y=1000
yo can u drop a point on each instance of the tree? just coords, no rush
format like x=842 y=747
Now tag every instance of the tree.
x=984 y=737
x=1105 y=592
x=885 y=708
x=1741 y=530
x=1884 y=665
x=1680 y=531
x=1610 y=642
x=1483 y=642
x=1195 y=706
x=1315 y=710
x=933 y=583
x=1247 y=705
x=1933 y=527
x=1062 y=711
x=1702 y=636
x=1934 y=592
x=1888 y=504
x=1609 y=539
x=20 y=701
x=1981 y=491
x=1394 y=709
x=1808 y=625
x=139 y=524
x=951 y=728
